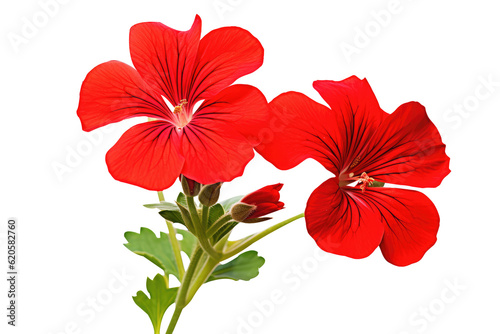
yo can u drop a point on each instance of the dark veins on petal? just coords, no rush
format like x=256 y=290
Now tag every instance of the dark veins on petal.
x=378 y=204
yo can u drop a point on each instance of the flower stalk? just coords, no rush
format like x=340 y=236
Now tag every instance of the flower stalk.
x=172 y=234
x=203 y=264
x=235 y=247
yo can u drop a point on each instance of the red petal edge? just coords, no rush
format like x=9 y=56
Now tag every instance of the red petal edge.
x=224 y=55
x=299 y=128
x=406 y=149
x=411 y=223
x=114 y=91
x=166 y=57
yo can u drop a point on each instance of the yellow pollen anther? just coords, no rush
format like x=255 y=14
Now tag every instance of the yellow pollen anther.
x=355 y=162
x=351 y=174
x=179 y=108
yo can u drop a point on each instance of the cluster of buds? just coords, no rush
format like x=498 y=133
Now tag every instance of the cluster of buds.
x=250 y=209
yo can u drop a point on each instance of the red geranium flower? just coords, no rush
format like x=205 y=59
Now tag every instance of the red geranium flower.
x=210 y=144
x=361 y=145
x=259 y=203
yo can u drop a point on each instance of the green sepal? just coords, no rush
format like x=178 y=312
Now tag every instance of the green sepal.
x=181 y=199
x=159 y=250
x=161 y=297
x=186 y=216
x=244 y=267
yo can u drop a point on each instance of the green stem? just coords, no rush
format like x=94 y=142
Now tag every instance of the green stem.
x=242 y=244
x=173 y=320
x=200 y=230
x=201 y=264
x=180 y=301
x=193 y=210
x=201 y=278
x=219 y=245
x=172 y=234
x=218 y=224
x=161 y=197
x=204 y=216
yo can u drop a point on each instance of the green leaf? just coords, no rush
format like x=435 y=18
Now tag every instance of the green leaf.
x=228 y=203
x=159 y=250
x=160 y=299
x=162 y=206
x=244 y=267
x=215 y=213
x=173 y=216
x=181 y=199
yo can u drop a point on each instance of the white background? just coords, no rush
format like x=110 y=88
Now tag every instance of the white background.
x=71 y=227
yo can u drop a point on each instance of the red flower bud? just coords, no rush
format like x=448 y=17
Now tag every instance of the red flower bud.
x=259 y=203
x=190 y=187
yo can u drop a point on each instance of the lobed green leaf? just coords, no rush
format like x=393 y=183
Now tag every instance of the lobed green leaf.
x=244 y=267
x=161 y=297
x=159 y=250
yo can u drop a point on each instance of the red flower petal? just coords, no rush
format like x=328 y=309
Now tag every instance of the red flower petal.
x=216 y=142
x=269 y=194
x=360 y=115
x=147 y=156
x=265 y=209
x=224 y=55
x=411 y=222
x=165 y=57
x=343 y=222
x=240 y=107
x=114 y=91
x=300 y=128
x=214 y=152
x=406 y=149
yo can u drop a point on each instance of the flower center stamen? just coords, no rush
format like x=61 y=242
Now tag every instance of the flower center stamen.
x=179 y=108
x=364 y=180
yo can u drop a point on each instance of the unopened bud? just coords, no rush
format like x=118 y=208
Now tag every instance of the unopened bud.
x=190 y=187
x=209 y=194
x=240 y=211
x=253 y=206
